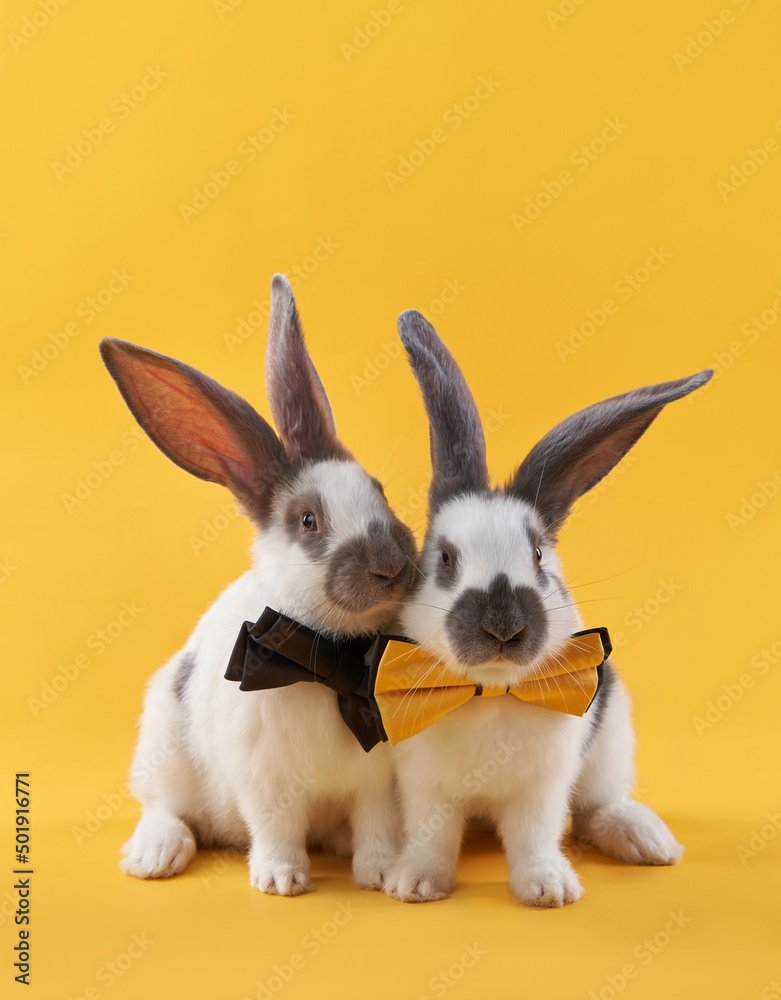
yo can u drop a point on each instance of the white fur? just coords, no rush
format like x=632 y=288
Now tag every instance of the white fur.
x=265 y=769
x=523 y=766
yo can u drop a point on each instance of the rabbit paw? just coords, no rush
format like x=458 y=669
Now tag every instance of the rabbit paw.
x=161 y=846
x=631 y=832
x=547 y=882
x=280 y=878
x=408 y=884
x=370 y=871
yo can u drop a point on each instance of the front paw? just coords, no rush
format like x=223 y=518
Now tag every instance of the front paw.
x=548 y=882
x=280 y=878
x=409 y=884
x=370 y=871
x=161 y=846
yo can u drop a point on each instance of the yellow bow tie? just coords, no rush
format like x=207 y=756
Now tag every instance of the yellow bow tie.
x=412 y=688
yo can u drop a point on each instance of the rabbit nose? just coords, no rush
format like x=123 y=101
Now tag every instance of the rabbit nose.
x=504 y=633
x=390 y=571
x=384 y=574
x=386 y=560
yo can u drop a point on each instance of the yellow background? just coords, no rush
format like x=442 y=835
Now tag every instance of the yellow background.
x=685 y=122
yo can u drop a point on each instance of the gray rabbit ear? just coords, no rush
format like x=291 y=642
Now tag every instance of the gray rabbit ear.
x=457 y=440
x=202 y=427
x=579 y=451
x=299 y=405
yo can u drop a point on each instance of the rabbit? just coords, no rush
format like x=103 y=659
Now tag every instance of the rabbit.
x=268 y=770
x=489 y=603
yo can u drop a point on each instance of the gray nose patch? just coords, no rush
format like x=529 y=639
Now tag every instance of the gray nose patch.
x=500 y=620
x=377 y=566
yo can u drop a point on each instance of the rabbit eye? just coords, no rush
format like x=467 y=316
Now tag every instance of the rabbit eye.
x=538 y=554
x=309 y=522
x=446 y=557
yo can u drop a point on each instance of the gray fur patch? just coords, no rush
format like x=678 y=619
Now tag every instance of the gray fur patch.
x=315 y=542
x=446 y=573
x=183 y=674
x=599 y=705
x=367 y=569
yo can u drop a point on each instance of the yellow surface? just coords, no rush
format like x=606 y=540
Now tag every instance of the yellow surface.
x=517 y=172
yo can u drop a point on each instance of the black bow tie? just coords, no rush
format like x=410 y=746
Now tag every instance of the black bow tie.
x=277 y=651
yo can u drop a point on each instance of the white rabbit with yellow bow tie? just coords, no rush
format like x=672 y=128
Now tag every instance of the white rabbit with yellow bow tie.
x=490 y=604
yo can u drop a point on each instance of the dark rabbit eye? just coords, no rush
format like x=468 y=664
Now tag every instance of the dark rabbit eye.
x=309 y=522
x=538 y=554
x=446 y=557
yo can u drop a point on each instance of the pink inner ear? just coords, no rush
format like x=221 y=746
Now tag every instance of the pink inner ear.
x=607 y=454
x=185 y=424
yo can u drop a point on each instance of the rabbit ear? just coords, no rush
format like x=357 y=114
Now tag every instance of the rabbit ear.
x=299 y=405
x=579 y=451
x=457 y=440
x=207 y=430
